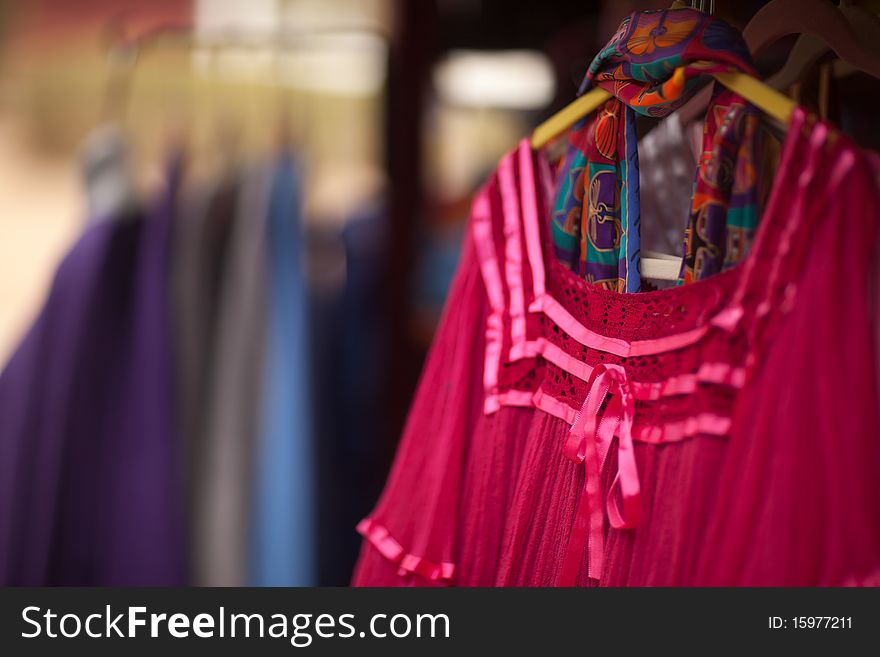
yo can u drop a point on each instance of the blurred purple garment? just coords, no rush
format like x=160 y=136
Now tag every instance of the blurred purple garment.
x=145 y=544
x=88 y=481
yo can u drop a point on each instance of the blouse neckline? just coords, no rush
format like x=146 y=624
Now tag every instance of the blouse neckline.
x=718 y=296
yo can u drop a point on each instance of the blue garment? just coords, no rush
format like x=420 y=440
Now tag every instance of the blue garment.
x=284 y=535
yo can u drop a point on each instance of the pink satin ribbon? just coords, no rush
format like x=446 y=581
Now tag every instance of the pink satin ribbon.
x=381 y=539
x=589 y=443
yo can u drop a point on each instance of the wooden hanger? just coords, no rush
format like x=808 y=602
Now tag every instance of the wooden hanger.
x=810 y=48
x=822 y=26
x=835 y=26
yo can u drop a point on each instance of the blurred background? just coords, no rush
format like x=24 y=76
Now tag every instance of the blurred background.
x=314 y=162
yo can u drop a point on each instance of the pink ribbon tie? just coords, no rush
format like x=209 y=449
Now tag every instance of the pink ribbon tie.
x=589 y=442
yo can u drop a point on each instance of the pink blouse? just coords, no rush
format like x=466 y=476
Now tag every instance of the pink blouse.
x=719 y=433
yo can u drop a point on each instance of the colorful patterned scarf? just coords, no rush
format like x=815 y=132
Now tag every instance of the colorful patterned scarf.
x=652 y=66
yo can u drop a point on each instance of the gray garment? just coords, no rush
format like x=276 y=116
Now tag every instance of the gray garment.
x=667 y=170
x=222 y=489
x=204 y=220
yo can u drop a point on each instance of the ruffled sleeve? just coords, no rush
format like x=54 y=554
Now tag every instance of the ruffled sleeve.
x=409 y=539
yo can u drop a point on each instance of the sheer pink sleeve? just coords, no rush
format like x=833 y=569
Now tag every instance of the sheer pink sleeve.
x=410 y=536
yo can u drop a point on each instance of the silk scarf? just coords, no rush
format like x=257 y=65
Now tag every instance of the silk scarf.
x=652 y=66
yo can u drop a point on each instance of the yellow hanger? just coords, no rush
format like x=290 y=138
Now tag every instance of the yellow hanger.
x=765 y=98
x=771 y=102
x=776 y=106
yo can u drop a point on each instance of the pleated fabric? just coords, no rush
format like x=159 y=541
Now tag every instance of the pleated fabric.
x=723 y=432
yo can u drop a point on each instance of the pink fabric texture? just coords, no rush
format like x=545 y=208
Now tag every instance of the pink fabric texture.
x=719 y=433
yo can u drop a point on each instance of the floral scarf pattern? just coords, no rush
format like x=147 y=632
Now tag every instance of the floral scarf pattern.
x=651 y=66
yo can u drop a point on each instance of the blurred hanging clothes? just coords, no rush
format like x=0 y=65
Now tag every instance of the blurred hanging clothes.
x=224 y=458
x=88 y=480
x=349 y=338
x=206 y=215
x=283 y=548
